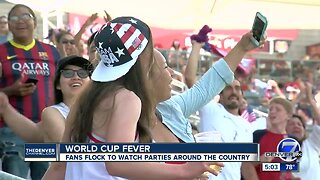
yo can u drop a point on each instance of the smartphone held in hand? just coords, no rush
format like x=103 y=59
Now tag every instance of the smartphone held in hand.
x=31 y=80
x=259 y=27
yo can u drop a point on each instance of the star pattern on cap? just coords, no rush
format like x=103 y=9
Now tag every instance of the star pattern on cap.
x=112 y=30
x=119 y=52
x=100 y=45
x=133 y=21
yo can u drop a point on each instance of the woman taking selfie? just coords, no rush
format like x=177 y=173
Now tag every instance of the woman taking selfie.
x=132 y=77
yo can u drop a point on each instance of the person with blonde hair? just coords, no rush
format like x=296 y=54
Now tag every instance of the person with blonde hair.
x=280 y=112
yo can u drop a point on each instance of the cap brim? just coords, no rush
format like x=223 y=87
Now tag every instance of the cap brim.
x=75 y=60
x=102 y=73
x=78 y=61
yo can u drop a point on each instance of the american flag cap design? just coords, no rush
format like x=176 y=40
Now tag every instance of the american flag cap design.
x=119 y=43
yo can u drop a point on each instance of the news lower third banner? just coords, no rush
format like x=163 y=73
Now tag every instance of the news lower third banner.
x=154 y=152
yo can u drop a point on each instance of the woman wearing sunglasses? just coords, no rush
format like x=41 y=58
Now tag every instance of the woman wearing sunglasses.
x=72 y=75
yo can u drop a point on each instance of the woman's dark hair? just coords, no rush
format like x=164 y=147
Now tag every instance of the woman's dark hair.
x=91 y=38
x=23 y=6
x=58 y=96
x=301 y=120
x=134 y=80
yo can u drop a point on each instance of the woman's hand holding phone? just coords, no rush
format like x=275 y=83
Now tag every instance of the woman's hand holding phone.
x=258 y=29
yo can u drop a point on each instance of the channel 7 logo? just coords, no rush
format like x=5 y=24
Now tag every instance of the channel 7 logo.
x=288 y=150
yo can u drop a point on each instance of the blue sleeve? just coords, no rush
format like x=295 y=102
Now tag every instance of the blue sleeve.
x=173 y=118
x=208 y=86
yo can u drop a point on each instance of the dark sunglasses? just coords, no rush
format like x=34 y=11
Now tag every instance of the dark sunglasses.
x=69 y=73
x=23 y=17
x=68 y=41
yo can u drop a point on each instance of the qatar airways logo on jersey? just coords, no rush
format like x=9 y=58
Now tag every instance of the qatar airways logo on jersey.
x=31 y=68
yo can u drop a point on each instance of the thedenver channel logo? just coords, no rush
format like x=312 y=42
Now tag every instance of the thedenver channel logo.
x=40 y=152
x=288 y=150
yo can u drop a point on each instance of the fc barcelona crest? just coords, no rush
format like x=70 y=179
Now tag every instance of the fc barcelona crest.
x=43 y=55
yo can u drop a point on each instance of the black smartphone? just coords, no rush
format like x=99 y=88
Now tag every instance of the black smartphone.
x=31 y=80
x=258 y=28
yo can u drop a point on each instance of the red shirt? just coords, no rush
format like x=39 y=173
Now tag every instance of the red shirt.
x=268 y=143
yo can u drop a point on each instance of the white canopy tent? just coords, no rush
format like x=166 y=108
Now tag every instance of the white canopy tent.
x=187 y=14
x=191 y=14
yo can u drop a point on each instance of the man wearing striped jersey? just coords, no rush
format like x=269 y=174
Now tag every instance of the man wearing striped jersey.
x=21 y=59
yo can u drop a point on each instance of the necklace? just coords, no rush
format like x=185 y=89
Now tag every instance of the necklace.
x=155 y=123
x=157 y=118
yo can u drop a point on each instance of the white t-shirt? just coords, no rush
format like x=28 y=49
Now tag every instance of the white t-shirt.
x=62 y=108
x=214 y=117
x=259 y=123
x=309 y=162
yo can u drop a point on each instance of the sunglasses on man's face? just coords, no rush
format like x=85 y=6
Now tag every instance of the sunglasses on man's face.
x=69 y=73
x=23 y=17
